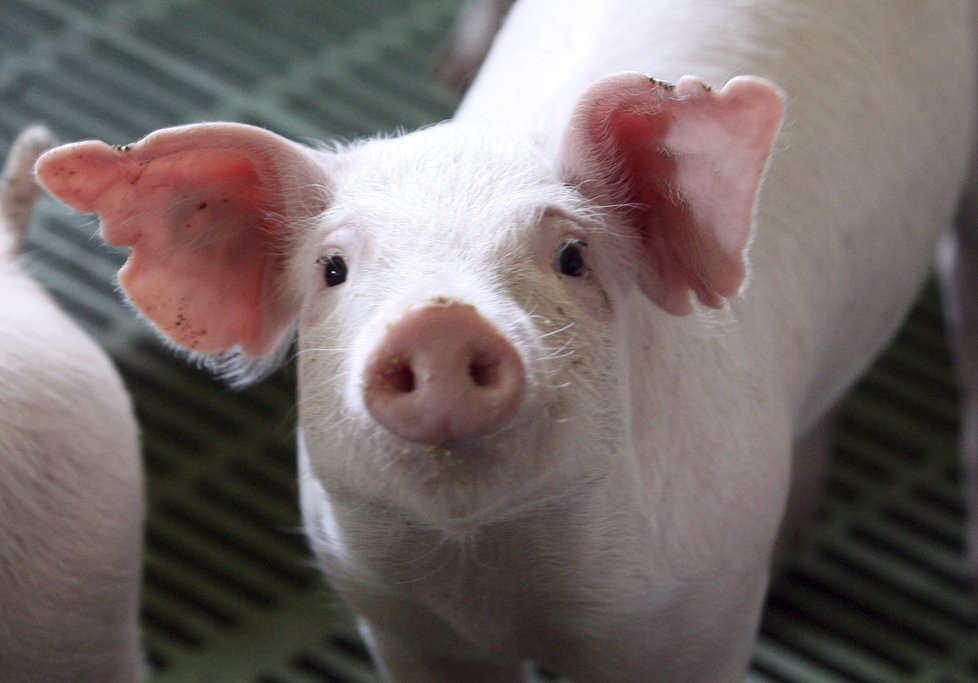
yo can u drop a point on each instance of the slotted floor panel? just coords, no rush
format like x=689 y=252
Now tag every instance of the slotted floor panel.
x=876 y=593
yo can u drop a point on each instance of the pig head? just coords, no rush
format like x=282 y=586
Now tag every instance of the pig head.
x=468 y=301
x=458 y=291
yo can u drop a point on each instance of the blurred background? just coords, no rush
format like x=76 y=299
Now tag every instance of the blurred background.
x=877 y=592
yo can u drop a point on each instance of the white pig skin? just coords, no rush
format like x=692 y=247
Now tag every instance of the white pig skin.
x=71 y=487
x=652 y=338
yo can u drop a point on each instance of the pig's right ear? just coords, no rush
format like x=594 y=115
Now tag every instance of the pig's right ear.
x=682 y=163
x=206 y=211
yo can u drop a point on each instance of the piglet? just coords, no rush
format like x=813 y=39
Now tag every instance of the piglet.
x=561 y=358
x=71 y=489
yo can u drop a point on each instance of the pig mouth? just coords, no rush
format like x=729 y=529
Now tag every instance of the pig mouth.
x=463 y=485
x=462 y=469
x=457 y=463
x=449 y=460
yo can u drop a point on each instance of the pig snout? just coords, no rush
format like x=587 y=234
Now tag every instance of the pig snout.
x=443 y=373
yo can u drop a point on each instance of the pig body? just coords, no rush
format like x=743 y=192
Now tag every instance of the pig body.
x=542 y=415
x=70 y=478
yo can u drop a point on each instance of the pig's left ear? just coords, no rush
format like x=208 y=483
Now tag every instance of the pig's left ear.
x=683 y=163
x=206 y=211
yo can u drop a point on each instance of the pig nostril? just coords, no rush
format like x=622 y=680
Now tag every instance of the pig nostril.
x=398 y=377
x=484 y=373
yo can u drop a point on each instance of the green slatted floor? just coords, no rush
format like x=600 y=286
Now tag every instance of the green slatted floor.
x=877 y=593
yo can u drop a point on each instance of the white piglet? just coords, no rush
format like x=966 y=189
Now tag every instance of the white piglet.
x=542 y=414
x=71 y=482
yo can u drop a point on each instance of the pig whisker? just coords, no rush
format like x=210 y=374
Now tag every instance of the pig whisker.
x=565 y=350
x=558 y=330
x=338 y=416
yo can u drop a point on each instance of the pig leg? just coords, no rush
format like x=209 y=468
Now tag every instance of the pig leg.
x=958 y=269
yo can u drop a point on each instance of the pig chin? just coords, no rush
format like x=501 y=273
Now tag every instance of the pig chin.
x=462 y=485
x=474 y=480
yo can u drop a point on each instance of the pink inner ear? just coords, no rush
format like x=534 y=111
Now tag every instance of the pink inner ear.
x=687 y=162
x=671 y=237
x=202 y=209
x=204 y=252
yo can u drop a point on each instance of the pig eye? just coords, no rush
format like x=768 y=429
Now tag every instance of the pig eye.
x=569 y=259
x=334 y=269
